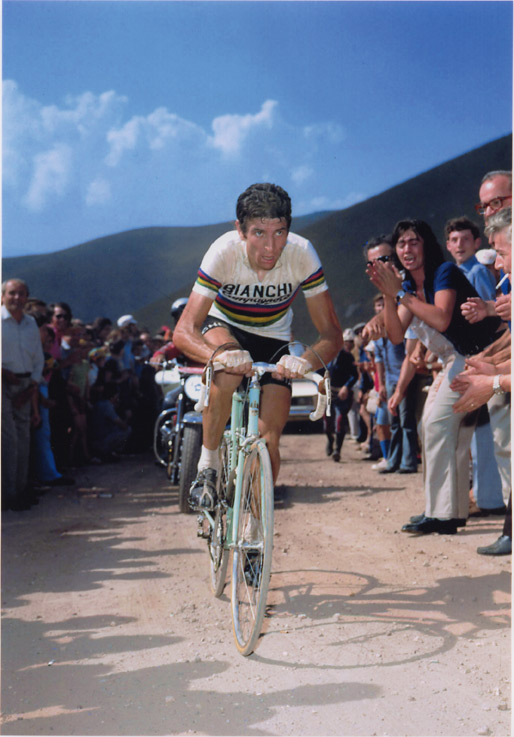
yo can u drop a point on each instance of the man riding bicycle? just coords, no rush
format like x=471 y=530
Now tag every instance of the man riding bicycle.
x=241 y=305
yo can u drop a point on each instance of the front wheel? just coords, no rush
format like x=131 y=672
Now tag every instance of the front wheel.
x=218 y=553
x=189 y=457
x=251 y=569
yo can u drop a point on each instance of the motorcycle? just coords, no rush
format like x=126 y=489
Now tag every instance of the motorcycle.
x=178 y=428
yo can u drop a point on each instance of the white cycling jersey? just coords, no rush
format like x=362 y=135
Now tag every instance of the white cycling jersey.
x=241 y=299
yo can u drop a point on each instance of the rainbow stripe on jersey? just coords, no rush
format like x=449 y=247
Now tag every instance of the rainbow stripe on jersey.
x=257 y=304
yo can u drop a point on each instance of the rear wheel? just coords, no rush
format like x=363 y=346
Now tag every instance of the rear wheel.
x=218 y=553
x=191 y=449
x=251 y=567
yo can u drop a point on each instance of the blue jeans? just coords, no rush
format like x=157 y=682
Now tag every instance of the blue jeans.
x=403 y=451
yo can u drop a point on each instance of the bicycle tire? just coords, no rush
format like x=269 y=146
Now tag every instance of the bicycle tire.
x=218 y=553
x=251 y=567
x=190 y=455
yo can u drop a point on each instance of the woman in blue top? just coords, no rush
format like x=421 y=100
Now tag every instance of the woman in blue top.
x=428 y=299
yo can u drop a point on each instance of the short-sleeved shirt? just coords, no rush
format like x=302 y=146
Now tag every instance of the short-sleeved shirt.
x=241 y=299
x=480 y=277
x=391 y=356
x=467 y=338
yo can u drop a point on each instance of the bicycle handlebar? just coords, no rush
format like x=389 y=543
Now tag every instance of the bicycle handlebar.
x=260 y=368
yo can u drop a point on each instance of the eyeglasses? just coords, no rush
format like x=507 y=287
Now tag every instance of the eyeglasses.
x=62 y=316
x=382 y=259
x=496 y=203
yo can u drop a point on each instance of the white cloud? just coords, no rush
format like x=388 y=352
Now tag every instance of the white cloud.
x=86 y=157
x=230 y=131
x=159 y=130
x=50 y=178
x=98 y=192
x=123 y=139
x=301 y=174
x=82 y=112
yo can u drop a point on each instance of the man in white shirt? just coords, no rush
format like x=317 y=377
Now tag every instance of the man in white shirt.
x=22 y=365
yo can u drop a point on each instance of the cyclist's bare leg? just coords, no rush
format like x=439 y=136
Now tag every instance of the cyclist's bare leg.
x=275 y=404
x=216 y=414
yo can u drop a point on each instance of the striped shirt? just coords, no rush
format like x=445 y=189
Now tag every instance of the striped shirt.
x=241 y=299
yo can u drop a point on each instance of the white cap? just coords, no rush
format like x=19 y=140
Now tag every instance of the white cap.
x=486 y=256
x=125 y=320
x=348 y=334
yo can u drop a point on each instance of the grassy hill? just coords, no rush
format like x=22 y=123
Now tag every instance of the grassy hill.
x=141 y=271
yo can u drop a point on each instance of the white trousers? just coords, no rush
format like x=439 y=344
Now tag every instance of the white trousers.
x=499 y=414
x=446 y=440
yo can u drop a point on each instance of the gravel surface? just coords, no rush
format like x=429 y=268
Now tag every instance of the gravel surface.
x=109 y=627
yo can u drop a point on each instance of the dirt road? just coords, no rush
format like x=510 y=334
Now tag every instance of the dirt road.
x=109 y=627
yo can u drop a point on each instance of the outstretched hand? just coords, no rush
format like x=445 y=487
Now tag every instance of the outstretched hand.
x=385 y=277
x=476 y=390
x=474 y=309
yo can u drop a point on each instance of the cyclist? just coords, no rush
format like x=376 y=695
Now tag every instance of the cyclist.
x=241 y=305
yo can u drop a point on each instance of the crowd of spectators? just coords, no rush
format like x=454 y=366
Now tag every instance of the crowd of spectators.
x=74 y=393
x=439 y=331
x=425 y=383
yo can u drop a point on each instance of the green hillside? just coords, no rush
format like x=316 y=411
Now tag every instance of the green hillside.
x=141 y=271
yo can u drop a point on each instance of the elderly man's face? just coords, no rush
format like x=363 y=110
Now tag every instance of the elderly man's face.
x=503 y=247
x=495 y=195
x=15 y=296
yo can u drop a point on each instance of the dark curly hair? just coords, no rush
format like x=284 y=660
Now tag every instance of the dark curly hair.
x=263 y=201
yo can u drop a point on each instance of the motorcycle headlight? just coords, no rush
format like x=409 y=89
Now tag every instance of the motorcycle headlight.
x=192 y=387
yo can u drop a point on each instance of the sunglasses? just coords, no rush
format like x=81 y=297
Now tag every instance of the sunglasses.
x=382 y=259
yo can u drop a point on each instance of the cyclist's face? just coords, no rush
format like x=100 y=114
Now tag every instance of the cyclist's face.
x=265 y=241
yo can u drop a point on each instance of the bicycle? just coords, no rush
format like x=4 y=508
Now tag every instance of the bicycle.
x=242 y=521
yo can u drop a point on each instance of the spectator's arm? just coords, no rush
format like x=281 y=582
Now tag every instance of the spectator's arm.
x=407 y=373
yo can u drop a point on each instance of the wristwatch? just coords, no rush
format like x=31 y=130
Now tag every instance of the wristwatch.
x=400 y=294
x=497 y=387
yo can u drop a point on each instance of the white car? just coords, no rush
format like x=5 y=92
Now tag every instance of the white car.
x=304 y=399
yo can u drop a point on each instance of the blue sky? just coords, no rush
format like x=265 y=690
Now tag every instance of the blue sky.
x=127 y=114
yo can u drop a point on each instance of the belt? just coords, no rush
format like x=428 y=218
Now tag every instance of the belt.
x=24 y=376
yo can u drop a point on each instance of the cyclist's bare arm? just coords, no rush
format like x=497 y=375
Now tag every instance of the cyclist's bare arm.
x=330 y=341
x=323 y=315
x=188 y=337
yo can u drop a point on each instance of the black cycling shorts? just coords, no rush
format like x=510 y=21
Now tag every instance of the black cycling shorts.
x=268 y=350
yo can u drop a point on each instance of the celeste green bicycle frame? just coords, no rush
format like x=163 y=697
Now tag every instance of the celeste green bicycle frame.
x=241 y=440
